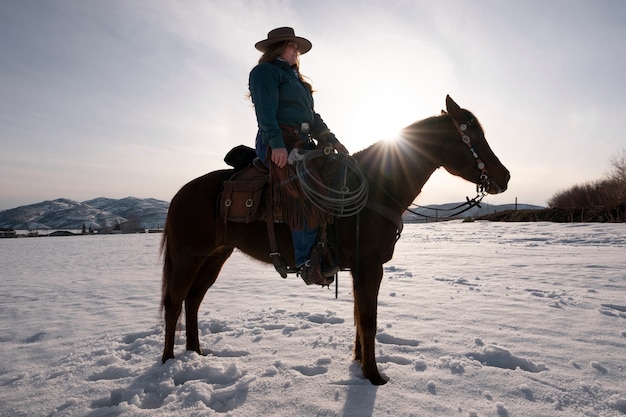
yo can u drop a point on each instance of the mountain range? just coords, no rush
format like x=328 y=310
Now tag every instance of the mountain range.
x=99 y=213
x=149 y=213
x=455 y=210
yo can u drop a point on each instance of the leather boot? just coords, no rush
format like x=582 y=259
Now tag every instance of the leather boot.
x=313 y=273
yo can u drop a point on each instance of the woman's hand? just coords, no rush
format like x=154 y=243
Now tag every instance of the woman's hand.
x=279 y=157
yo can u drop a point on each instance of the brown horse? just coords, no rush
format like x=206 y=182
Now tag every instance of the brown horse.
x=195 y=245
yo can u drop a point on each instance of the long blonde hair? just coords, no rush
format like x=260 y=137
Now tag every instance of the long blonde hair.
x=275 y=50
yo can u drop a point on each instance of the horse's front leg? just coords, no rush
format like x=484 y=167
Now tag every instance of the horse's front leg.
x=358 y=354
x=366 y=285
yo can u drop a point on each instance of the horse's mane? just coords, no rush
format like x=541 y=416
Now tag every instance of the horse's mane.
x=408 y=133
x=415 y=133
x=395 y=165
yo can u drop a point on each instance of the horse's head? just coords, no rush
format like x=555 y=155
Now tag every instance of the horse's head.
x=467 y=154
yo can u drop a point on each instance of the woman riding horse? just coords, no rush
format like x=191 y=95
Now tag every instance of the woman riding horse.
x=283 y=102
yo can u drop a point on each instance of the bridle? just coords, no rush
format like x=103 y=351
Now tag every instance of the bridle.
x=483 y=187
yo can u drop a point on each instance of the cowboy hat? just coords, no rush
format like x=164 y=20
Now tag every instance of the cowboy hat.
x=281 y=35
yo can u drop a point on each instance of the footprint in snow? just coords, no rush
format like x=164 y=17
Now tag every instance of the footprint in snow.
x=527 y=392
x=615 y=307
x=228 y=353
x=598 y=367
x=398 y=360
x=388 y=339
x=328 y=318
x=320 y=367
x=420 y=365
x=454 y=365
x=133 y=337
x=397 y=272
x=499 y=357
x=613 y=310
x=110 y=373
x=501 y=410
x=217 y=326
x=432 y=388
x=545 y=294
x=310 y=370
x=222 y=389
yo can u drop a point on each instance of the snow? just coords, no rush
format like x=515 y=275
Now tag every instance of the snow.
x=475 y=319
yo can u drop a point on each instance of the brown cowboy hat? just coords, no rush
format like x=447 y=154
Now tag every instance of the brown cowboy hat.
x=282 y=35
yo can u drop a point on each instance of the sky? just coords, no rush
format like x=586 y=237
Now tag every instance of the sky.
x=135 y=98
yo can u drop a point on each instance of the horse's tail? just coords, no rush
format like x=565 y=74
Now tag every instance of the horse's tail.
x=167 y=266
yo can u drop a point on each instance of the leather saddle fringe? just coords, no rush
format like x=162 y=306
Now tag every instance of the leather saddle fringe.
x=297 y=211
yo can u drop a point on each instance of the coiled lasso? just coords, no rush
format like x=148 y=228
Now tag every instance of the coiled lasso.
x=341 y=201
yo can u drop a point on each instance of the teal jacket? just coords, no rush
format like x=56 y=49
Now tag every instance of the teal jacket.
x=281 y=99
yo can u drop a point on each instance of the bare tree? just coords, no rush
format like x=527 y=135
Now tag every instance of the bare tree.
x=618 y=166
x=132 y=224
x=607 y=196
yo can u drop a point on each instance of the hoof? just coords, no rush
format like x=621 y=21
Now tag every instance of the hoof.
x=375 y=377
x=379 y=380
x=165 y=358
x=198 y=351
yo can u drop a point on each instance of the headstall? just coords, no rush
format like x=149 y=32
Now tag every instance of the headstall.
x=483 y=187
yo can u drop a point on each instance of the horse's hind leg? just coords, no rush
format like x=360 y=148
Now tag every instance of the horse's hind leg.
x=204 y=279
x=177 y=279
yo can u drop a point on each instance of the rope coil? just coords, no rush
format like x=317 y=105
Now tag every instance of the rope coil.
x=340 y=201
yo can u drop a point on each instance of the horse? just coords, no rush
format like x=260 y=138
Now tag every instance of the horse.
x=196 y=241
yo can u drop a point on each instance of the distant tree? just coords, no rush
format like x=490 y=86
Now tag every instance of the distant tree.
x=617 y=174
x=104 y=227
x=132 y=224
x=618 y=167
x=607 y=195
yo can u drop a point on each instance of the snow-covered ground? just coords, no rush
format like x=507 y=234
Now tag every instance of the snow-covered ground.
x=475 y=319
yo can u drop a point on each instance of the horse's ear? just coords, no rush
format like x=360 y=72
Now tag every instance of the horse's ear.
x=451 y=105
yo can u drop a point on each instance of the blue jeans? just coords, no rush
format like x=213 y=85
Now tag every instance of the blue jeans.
x=303 y=240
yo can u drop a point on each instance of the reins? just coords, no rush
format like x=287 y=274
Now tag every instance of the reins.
x=474 y=202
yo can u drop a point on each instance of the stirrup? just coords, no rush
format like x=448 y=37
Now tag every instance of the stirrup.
x=312 y=274
x=279 y=264
x=329 y=271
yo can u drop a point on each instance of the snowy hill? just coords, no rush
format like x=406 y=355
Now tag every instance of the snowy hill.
x=150 y=213
x=101 y=212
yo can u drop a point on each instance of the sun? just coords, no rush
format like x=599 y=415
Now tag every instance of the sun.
x=379 y=118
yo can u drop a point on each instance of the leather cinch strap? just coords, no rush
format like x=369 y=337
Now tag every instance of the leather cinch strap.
x=277 y=259
x=389 y=214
